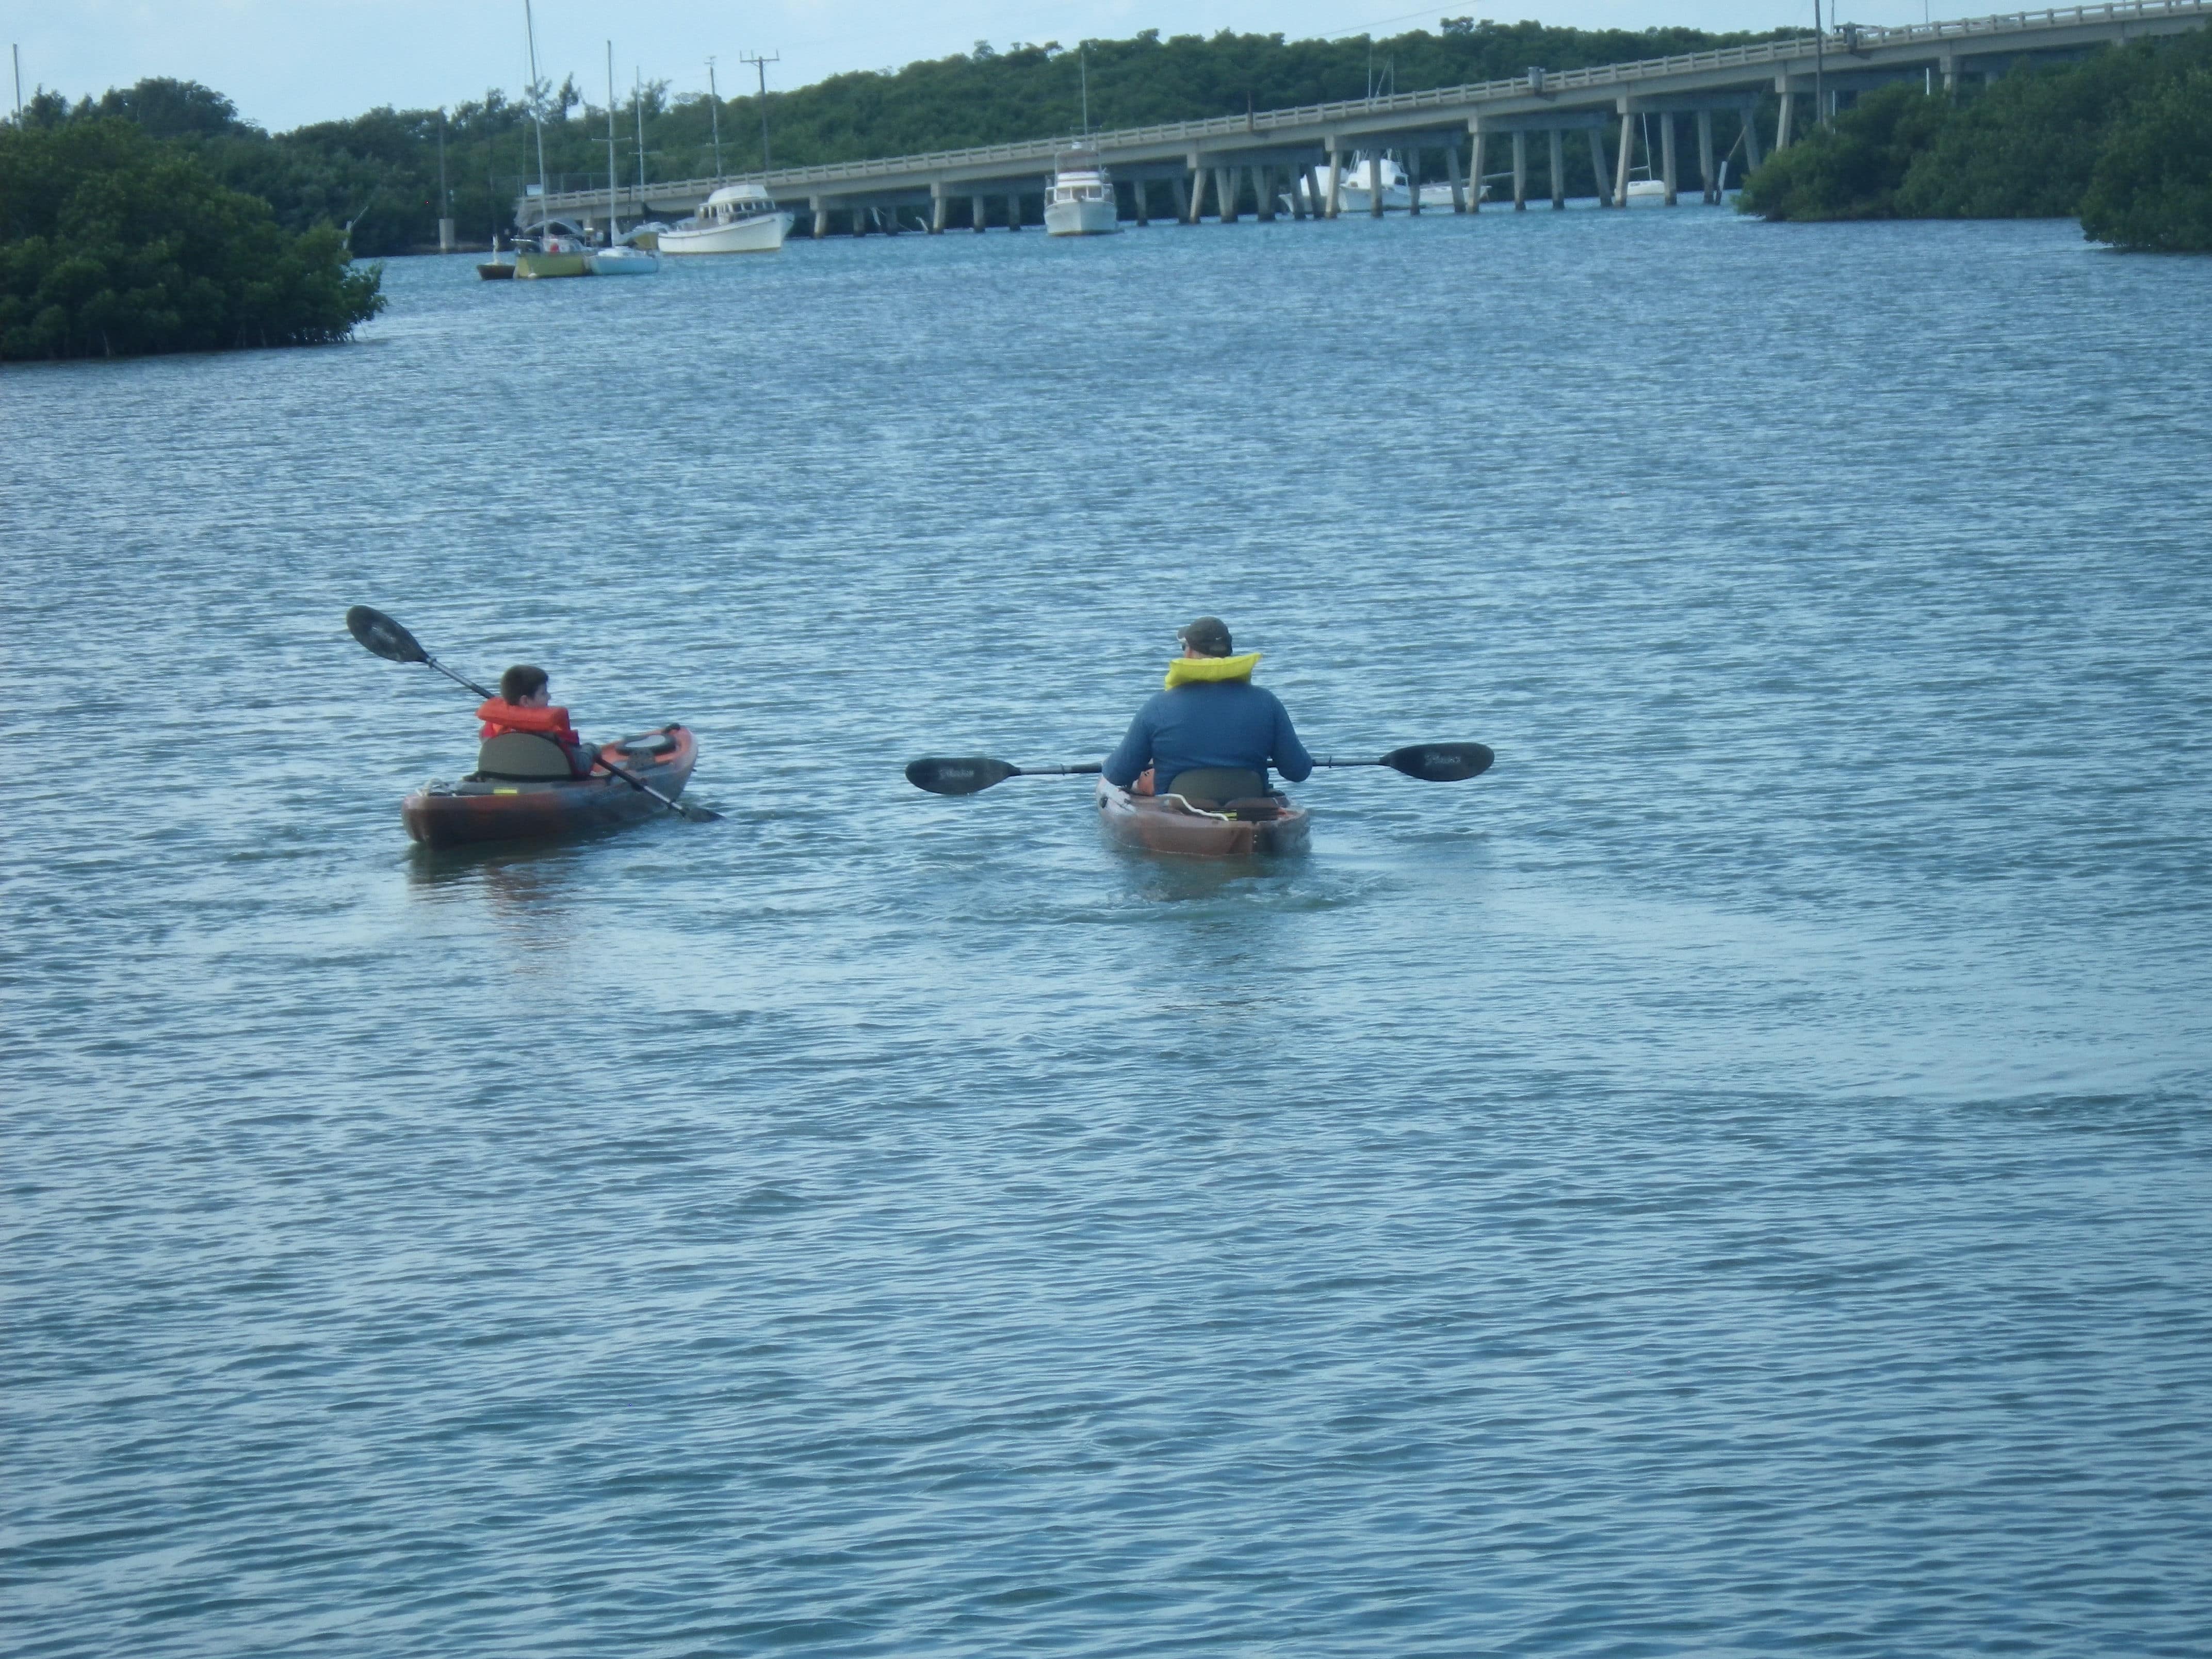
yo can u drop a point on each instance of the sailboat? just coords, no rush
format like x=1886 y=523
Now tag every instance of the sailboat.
x=555 y=254
x=614 y=259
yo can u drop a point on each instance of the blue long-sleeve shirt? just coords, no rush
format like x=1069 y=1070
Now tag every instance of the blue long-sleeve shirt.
x=1221 y=723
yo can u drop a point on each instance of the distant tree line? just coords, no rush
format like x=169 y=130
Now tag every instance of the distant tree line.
x=114 y=244
x=2122 y=139
x=378 y=176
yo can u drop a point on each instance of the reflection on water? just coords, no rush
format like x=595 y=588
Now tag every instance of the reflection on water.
x=1757 y=1129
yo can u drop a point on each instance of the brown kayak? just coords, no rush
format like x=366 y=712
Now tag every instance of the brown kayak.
x=480 y=808
x=1260 y=826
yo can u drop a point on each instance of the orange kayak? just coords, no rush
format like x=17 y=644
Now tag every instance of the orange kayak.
x=1265 y=826
x=478 y=808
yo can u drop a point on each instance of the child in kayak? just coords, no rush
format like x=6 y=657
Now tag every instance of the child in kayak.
x=525 y=703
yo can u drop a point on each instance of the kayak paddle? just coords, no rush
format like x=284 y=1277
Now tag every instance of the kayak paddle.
x=1432 y=762
x=949 y=776
x=389 y=641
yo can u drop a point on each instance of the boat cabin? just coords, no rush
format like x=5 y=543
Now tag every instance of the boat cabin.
x=734 y=204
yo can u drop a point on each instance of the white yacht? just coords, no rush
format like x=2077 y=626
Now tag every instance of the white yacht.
x=735 y=219
x=1356 y=194
x=1081 y=200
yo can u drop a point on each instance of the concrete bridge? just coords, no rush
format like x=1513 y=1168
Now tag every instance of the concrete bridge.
x=1229 y=160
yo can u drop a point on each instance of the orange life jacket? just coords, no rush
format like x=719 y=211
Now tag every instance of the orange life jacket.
x=500 y=715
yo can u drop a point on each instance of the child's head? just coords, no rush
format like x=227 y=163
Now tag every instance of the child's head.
x=522 y=682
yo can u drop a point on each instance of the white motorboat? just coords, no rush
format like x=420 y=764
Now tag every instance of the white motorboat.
x=735 y=219
x=1647 y=193
x=1081 y=200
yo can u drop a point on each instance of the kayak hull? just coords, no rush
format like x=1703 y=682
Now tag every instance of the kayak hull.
x=476 y=810
x=1265 y=827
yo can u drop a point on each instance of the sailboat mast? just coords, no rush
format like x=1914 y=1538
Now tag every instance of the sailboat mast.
x=1083 y=70
x=637 y=102
x=537 y=112
x=714 y=111
x=610 y=144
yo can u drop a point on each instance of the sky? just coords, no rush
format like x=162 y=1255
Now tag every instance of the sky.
x=285 y=63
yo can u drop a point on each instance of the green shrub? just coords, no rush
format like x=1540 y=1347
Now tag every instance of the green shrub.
x=114 y=245
x=1853 y=168
x=2151 y=189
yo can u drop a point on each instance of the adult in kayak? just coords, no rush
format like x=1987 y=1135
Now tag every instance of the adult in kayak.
x=1210 y=717
x=525 y=703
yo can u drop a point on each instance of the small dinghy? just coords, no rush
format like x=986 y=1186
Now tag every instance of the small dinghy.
x=522 y=790
x=1213 y=813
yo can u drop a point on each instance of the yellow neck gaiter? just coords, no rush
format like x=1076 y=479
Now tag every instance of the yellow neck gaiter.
x=1200 y=671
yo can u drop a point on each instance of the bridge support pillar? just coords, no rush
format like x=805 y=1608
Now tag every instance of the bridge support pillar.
x=1559 y=168
x=1375 y=192
x=1451 y=171
x=1335 y=181
x=1783 y=123
x=1706 y=155
x=1520 y=171
x=859 y=220
x=1627 y=155
x=1014 y=211
x=937 y=210
x=1225 y=182
x=1667 y=155
x=1263 y=193
x=1180 y=189
x=1597 y=167
x=821 y=228
x=1141 y=213
x=1298 y=179
x=1751 y=155
x=979 y=211
x=1474 y=175
x=1412 y=181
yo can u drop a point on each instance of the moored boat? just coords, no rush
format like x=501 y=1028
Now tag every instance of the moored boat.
x=1266 y=825
x=482 y=807
x=1081 y=200
x=735 y=219
x=555 y=254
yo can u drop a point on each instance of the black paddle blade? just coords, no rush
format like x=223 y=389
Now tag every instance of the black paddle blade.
x=383 y=635
x=957 y=775
x=1440 y=762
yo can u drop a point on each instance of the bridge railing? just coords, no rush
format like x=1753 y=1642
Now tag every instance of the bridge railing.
x=1840 y=42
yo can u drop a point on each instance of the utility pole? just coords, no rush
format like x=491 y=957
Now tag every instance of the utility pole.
x=1082 y=67
x=762 y=64
x=1820 y=94
x=714 y=110
x=18 y=50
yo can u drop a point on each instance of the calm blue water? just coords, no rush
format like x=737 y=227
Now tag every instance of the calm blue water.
x=1732 y=1180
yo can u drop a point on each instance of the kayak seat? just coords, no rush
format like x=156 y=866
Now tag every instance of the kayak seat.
x=522 y=758
x=1212 y=786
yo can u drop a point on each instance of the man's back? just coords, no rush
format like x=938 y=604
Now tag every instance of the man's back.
x=1222 y=723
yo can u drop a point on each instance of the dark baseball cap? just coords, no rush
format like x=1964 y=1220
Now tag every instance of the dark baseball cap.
x=1208 y=636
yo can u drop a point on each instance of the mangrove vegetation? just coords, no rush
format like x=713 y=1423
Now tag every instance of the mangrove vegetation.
x=114 y=244
x=2122 y=140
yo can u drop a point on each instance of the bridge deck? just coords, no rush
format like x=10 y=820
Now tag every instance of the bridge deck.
x=1729 y=77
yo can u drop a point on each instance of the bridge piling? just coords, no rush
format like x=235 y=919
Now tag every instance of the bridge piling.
x=1751 y=155
x=1413 y=180
x=1559 y=168
x=1782 y=125
x=1375 y=184
x=1520 y=171
x=1451 y=171
x=1597 y=167
x=1706 y=155
x=1336 y=180
x=1627 y=155
x=1474 y=176
x=937 y=207
x=1667 y=155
